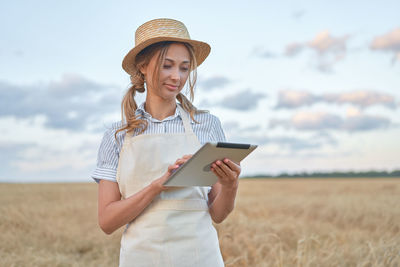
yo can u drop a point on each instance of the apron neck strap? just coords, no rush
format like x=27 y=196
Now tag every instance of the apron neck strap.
x=185 y=119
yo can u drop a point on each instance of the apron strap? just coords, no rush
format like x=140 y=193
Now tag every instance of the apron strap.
x=185 y=119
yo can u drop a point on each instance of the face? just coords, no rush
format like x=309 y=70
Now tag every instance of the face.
x=173 y=73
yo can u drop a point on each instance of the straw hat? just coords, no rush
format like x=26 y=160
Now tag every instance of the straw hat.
x=159 y=30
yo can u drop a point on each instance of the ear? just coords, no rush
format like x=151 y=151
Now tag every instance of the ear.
x=143 y=69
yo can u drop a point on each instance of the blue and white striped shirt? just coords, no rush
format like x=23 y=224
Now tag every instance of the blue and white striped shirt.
x=208 y=129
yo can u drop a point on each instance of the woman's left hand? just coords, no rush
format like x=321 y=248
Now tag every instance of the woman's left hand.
x=227 y=172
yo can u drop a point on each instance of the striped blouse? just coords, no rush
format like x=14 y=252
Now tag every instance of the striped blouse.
x=207 y=130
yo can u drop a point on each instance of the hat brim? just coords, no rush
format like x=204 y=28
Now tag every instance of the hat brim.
x=201 y=51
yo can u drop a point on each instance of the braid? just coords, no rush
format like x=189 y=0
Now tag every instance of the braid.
x=130 y=121
x=137 y=81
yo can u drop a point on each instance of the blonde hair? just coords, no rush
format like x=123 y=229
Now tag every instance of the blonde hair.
x=131 y=122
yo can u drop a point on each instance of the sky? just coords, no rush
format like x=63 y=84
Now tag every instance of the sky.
x=315 y=84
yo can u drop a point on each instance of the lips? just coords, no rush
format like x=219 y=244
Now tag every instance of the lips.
x=171 y=86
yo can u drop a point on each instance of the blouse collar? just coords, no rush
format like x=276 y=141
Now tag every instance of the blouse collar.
x=140 y=111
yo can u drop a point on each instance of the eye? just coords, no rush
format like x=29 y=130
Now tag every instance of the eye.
x=167 y=66
x=184 y=68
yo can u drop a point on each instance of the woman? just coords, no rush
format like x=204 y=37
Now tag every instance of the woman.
x=164 y=226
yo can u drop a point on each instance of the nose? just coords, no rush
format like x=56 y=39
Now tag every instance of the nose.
x=175 y=74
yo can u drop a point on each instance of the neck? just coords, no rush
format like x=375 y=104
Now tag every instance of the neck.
x=159 y=108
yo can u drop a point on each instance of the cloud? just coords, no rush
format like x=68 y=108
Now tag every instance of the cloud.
x=256 y=135
x=254 y=128
x=9 y=154
x=325 y=138
x=285 y=142
x=294 y=143
x=38 y=158
x=389 y=42
x=214 y=82
x=32 y=152
x=245 y=100
x=50 y=167
x=231 y=126
x=294 y=99
x=324 y=43
x=360 y=98
x=304 y=120
x=71 y=103
x=293 y=49
x=355 y=121
x=315 y=121
x=328 y=49
x=233 y=129
x=298 y=14
x=365 y=122
x=263 y=53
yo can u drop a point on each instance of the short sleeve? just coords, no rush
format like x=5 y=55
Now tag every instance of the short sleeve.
x=107 y=158
x=217 y=133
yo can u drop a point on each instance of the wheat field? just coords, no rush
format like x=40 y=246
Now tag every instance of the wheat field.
x=285 y=222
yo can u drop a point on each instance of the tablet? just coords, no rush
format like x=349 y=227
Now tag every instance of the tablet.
x=197 y=170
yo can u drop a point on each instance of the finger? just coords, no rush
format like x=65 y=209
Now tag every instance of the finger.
x=229 y=173
x=181 y=161
x=217 y=173
x=233 y=165
x=184 y=158
x=218 y=170
x=171 y=168
x=225 y=168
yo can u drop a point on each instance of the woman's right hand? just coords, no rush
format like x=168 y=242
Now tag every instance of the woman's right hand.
x=115 y=212
x=159 y=183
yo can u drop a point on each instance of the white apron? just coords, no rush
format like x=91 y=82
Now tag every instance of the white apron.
x=176 y=228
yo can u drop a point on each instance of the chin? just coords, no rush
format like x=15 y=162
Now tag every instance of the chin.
x=169 y=97
x=171 y=94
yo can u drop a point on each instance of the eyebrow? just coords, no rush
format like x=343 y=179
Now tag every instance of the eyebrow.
x=186 y=61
